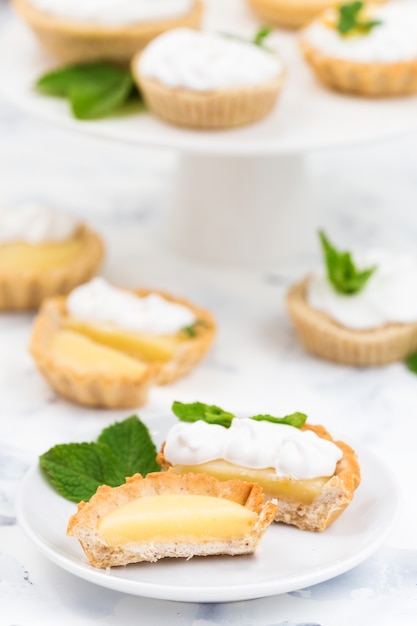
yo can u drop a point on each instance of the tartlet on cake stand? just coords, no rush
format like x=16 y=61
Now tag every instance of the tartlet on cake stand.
x=242 y=196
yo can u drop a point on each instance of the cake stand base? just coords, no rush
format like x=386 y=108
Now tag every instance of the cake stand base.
x=253 y=211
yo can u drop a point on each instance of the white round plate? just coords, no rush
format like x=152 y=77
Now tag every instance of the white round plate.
x=308 y=116
x=286 y=559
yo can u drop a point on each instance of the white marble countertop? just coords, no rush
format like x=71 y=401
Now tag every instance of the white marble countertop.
x=363 y=197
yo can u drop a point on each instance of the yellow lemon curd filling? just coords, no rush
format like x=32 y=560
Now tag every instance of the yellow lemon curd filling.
x=83 y=355
x=274 y=486
x=142 y=346
x=176 y=517
x=20 y=256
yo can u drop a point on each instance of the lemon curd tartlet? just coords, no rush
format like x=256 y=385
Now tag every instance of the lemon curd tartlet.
x=365 y=49
x=43 y=252
x=370 y=325
x=91 y=30
x=311 y=477
x=167 y=515
x=105 y=346
x=205 y=80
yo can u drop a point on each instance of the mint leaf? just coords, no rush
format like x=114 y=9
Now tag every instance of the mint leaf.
x=261 y=35
x=342 y=273
x=350 y=20
x=76 y=470
x=295 y=419
x=93 y=89
x=196 y=411
x=131 y=443
x=412 y=363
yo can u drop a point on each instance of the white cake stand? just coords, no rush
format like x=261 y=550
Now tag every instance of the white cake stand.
x=242 y=196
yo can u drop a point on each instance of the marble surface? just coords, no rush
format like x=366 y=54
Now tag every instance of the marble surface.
x=363 y=197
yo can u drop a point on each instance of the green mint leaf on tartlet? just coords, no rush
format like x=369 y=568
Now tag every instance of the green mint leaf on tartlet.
x=192 y=330
x=132 y=444
x=76 y=470
x=342 y=273
x=197 y=411
x=352 y=21
x=295 y=419
x=262 y=34
x=93 y=90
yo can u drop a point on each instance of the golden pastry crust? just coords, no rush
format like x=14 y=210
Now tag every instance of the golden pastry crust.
x=83 y=525
x=115 y=391
x=334 y=498
x=27 y=289
x=71 y=41
x=289 y=13
x=226 y=108
x=363 y=79
x=330 y=340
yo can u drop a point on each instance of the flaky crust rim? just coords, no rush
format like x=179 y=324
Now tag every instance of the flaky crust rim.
x=72 y=41
x=83 y=524
x=336 y=495
x=109 y=391
x=28 y=289
x=329 y=340
x=363 y=79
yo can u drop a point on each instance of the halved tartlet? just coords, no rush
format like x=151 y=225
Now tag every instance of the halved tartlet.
x=31 y=272
x=74 y=41
x=167 y=515
x=100 y=364
x=378 y=58
x=310 y=504
x=182 y=79
x=329 y=339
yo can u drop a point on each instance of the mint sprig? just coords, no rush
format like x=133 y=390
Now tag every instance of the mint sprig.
x=351 y=21
x=196 y=411
x=93 y=90
x=262 y=34
x=76 y=470
x=342 y=273
x=295 y=419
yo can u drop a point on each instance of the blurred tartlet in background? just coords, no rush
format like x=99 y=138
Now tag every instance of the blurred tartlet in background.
x=365 y=49
x=208 y=80
x=43 y=252
x=290 y=13
x=91 y=30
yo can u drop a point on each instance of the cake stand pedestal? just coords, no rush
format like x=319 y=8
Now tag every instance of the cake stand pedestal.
x=240 y=210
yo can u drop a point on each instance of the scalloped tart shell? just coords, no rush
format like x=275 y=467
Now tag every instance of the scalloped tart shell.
x=26 y=289
x=84 y=525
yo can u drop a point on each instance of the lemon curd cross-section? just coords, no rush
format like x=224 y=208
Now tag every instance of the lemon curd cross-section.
x=176 y=517
x=167 y=515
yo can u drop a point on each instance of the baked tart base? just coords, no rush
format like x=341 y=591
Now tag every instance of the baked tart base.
x=335 y=494
x=85 y=525
x=71 y=41
x=226 y=108
x=329 y=340
x=26 y=288
x=362 y=79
